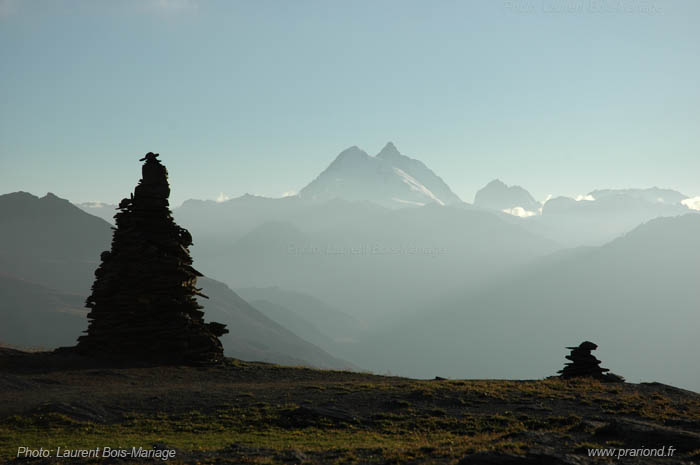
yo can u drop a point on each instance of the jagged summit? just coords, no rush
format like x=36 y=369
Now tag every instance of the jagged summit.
x=497 y=195
x=390 y=179
x=389 y=151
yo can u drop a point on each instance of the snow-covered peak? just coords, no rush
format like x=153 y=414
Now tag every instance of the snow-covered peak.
x=389 y=179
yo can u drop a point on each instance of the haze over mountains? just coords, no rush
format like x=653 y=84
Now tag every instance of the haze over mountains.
x=379 y=263
x=601 y=216
x=102 y=210
x=394 y=181
x=368 y=261
x=49 y=250
x=591 y=219
x=498 y=196
x=636 y=296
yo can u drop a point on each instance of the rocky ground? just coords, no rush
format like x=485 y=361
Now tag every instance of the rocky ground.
x=258 y=413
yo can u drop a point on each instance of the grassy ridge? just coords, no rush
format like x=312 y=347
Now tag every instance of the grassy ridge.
x=333 y=417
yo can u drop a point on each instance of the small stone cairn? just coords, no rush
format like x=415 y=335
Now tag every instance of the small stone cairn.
x=584 y=364
x=143 y=305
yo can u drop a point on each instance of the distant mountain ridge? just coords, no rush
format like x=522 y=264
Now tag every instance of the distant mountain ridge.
x=368 y=261
x=332 y=323
x=472 y=269
x=389 y=179
x=49 y=240
x=587 y=220
x=650 y=194
x=106 y=211
x=603 y=215
x=637 y=297
x=254 y=336
x=496 y=195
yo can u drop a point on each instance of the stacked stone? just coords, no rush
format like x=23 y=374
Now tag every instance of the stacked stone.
x=585 y=364
x=143 y=305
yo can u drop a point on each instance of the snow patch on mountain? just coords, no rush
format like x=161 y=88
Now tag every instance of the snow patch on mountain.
x=416 y=186
x=519 y=211
x=389 y=179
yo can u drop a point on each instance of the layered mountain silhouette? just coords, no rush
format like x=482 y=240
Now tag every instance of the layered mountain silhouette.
x=637 y=294
x=369 y=262
x=389 y=179
x=254 y=336
x=604 y=215
x=419 y=291
x=53 y=248
x=312 y=319
x=589 y=220
x=292 y=321
x=356 y=183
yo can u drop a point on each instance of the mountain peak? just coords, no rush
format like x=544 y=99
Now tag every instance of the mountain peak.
x=497 y=195
x=51 y=200
x=51 y=197
x=389 y=179
x=389 y=151
x=497 y=183
x=351 y=153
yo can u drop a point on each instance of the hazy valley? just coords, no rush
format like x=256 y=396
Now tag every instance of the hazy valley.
x=377 y=265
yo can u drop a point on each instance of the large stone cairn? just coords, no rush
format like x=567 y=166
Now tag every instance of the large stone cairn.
x=143 y=305
x=585 y=364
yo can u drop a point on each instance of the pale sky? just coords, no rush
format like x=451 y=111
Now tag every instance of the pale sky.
x=560 y=97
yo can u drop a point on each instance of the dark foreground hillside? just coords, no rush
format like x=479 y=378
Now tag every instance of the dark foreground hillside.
x=264 y=414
